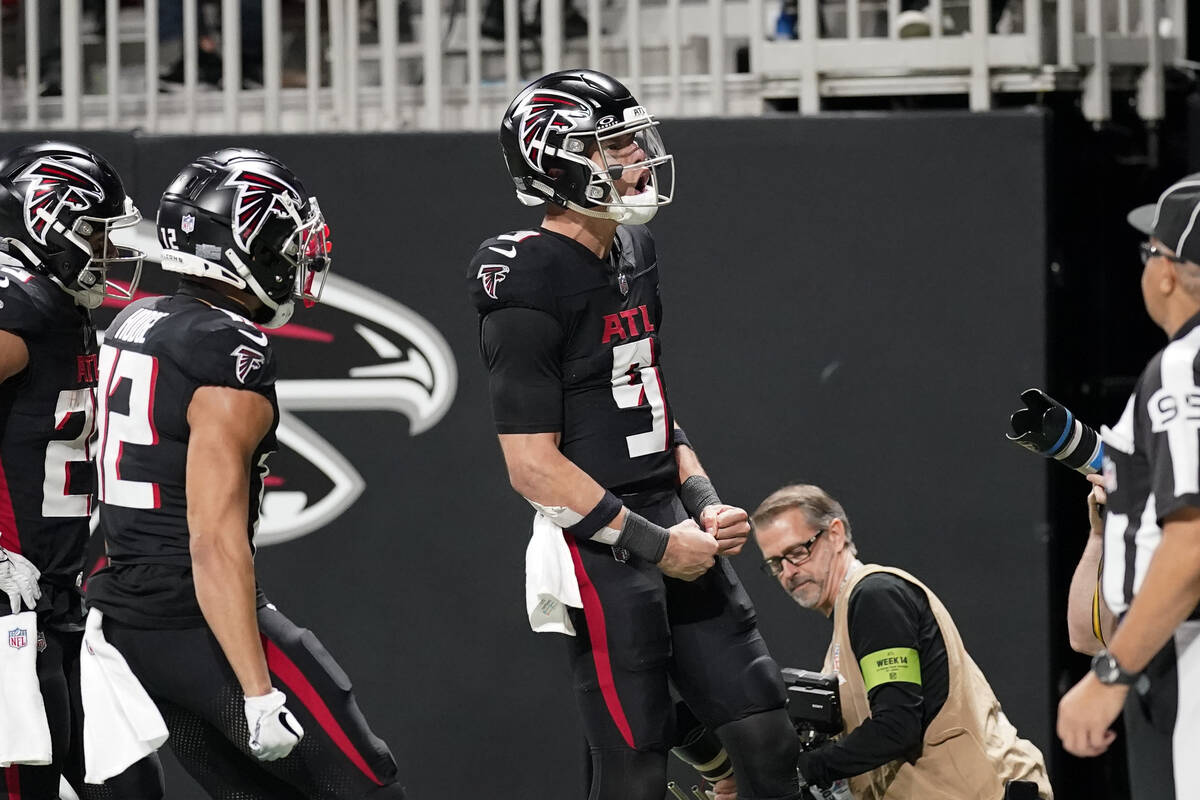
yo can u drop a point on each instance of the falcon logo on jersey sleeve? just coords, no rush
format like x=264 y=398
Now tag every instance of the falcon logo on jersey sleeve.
x=258 y=196
x=248 y=360
x=492 y=275
x=56 y=185
x=546 y=111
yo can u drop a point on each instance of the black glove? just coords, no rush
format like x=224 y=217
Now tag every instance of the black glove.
x=1050 y=430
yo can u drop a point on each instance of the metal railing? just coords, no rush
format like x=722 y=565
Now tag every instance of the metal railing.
x=353 y=65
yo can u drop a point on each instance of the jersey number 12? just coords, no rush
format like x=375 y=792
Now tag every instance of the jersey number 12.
x=115 y=430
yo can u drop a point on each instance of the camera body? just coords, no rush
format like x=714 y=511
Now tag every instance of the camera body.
x=814 y=705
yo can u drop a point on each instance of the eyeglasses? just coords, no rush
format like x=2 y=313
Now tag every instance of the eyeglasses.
x=795 y=556
x=1149 y=251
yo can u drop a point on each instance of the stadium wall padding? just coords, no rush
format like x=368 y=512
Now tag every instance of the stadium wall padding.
x=853 y=300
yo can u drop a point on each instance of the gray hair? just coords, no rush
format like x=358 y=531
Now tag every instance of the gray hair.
x=818 y=507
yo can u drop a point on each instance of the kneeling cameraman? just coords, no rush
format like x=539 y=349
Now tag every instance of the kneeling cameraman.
x=921 y=720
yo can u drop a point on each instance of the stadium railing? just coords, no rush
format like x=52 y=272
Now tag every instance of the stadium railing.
x=325 y=66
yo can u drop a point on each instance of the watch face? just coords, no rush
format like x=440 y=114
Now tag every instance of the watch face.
x=1105 y=668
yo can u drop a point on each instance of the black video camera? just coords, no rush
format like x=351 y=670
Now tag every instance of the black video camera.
x=814 y=705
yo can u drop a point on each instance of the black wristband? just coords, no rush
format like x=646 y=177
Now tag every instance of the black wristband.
x=598 y=518
x=678 y=437
x=696 y=493
x=643 y=538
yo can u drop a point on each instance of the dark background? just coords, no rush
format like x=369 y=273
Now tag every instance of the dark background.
x=851 y=300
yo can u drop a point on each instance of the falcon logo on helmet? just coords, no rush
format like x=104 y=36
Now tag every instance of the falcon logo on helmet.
x=56 y=185
x=258 y=197
x=492 y=275
x=547 y=112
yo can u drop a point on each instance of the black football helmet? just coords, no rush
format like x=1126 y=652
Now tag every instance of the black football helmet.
x=241 y=217
x=558 y=137
x=58 y=205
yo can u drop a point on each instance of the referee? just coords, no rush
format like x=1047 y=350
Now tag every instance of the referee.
x=1151 y=573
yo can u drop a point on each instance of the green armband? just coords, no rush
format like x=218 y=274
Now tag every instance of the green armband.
x=894 y=665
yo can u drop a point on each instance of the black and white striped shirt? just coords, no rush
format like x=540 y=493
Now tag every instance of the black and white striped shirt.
x=1151 y=464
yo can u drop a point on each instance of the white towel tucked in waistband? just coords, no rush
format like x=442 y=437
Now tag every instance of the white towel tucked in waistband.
x=550 y=584
x=24 y=734
x=121 y=724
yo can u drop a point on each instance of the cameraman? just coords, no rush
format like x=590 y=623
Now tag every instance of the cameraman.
x=921 y=720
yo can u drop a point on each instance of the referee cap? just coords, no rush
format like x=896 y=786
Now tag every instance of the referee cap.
x=1175 y=219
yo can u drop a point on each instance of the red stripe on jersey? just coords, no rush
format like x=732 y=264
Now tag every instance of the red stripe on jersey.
x=598 y=633
x=10 y=535
x=285 y=669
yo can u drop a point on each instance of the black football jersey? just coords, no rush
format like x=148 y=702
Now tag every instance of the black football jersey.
x=600 y=351
x=155 y=354
x=46 y=420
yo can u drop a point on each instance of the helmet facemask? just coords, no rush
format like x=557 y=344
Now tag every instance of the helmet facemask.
x=90 y=284
x=301 y=261
x=630 y=193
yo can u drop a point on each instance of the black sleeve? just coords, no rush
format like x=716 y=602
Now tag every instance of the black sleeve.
x=522 y=348
x=235 y=356
x=884 y=619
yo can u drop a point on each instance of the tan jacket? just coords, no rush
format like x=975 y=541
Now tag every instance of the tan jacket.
x=970 y=748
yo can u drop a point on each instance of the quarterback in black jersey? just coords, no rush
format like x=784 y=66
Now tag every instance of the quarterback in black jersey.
x=186 y=420
x=58 y=205
x=569 y=322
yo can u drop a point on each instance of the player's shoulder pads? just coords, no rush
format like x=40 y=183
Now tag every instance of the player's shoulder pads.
x=31 y=303
x=513 y=270
x=225 y=349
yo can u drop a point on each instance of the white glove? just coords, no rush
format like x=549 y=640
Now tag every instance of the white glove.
x=19 y=580
x=273 y=729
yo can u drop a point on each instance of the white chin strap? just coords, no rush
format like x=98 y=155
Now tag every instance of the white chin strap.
x=283 y=313
x=637 y=209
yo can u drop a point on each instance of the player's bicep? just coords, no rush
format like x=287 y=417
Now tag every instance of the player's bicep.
x=14 y=355
x=225 y=427
x=522 y=348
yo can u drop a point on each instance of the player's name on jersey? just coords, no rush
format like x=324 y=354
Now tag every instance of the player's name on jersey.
x=140 y=322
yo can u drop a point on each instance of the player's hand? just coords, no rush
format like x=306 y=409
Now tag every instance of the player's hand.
x=1096 y=499
x=729 y=525
x=690 y=551
x=1085 y=715
x=19 y=580
x=725 y=789
x=273 y=729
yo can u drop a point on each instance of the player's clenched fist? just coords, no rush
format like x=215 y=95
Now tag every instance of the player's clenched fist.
x=729 y=525
x=690 y=553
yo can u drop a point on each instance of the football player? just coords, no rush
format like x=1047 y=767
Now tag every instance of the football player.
x=569 y=322
x=186 y=416
x=59 y=203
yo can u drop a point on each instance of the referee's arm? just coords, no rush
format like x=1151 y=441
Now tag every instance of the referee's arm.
x=1089 y=620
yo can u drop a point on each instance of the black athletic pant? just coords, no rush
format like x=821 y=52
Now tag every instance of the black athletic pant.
x=640 y=631
x=58 y=676
x=190 y=680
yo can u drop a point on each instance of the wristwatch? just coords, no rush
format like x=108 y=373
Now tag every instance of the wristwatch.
x=1109 y=672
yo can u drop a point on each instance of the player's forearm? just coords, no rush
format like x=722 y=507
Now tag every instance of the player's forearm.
x=225 y=590
x=1169 y=592
x=688 y=463
x=1080 y=598
x=546 y=477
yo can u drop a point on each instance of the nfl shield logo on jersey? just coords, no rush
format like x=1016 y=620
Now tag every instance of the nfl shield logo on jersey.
x=189 y=223
x=18 y=638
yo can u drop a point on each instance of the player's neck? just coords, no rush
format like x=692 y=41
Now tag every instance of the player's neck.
x=594 y=233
